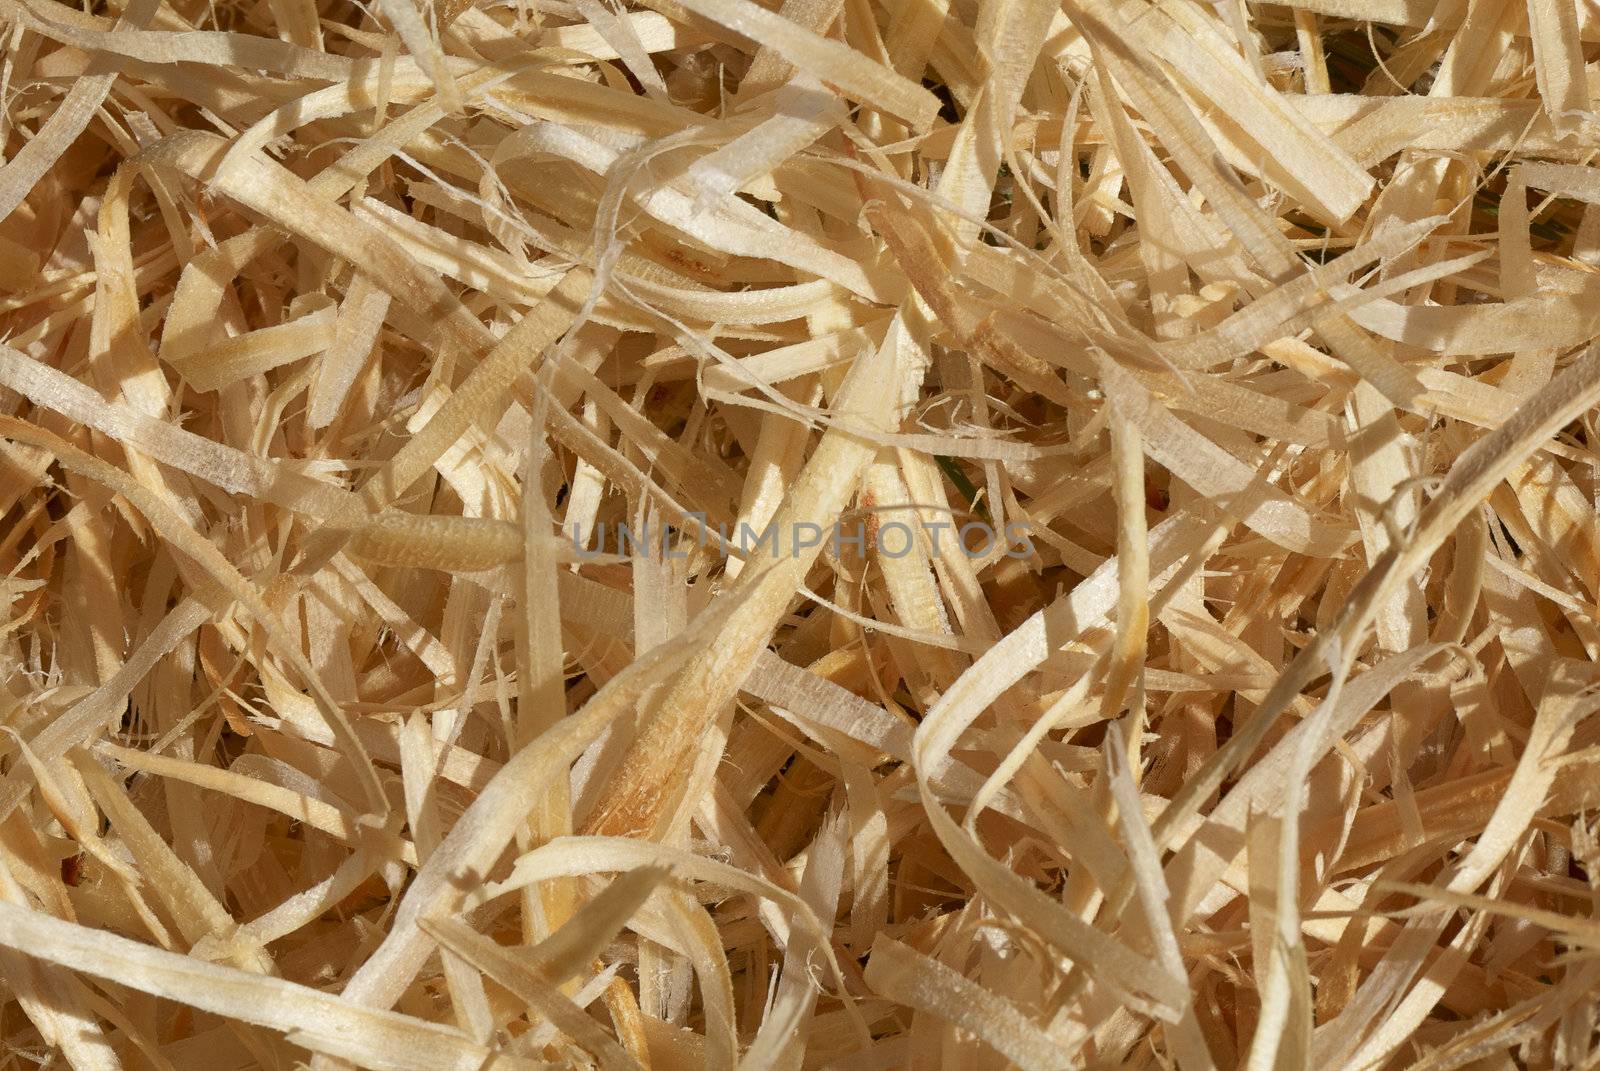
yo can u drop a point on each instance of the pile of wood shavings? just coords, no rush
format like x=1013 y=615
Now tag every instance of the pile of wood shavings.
x=341 y=726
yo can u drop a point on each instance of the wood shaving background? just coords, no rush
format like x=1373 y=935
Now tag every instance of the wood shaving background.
x=341 y=727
